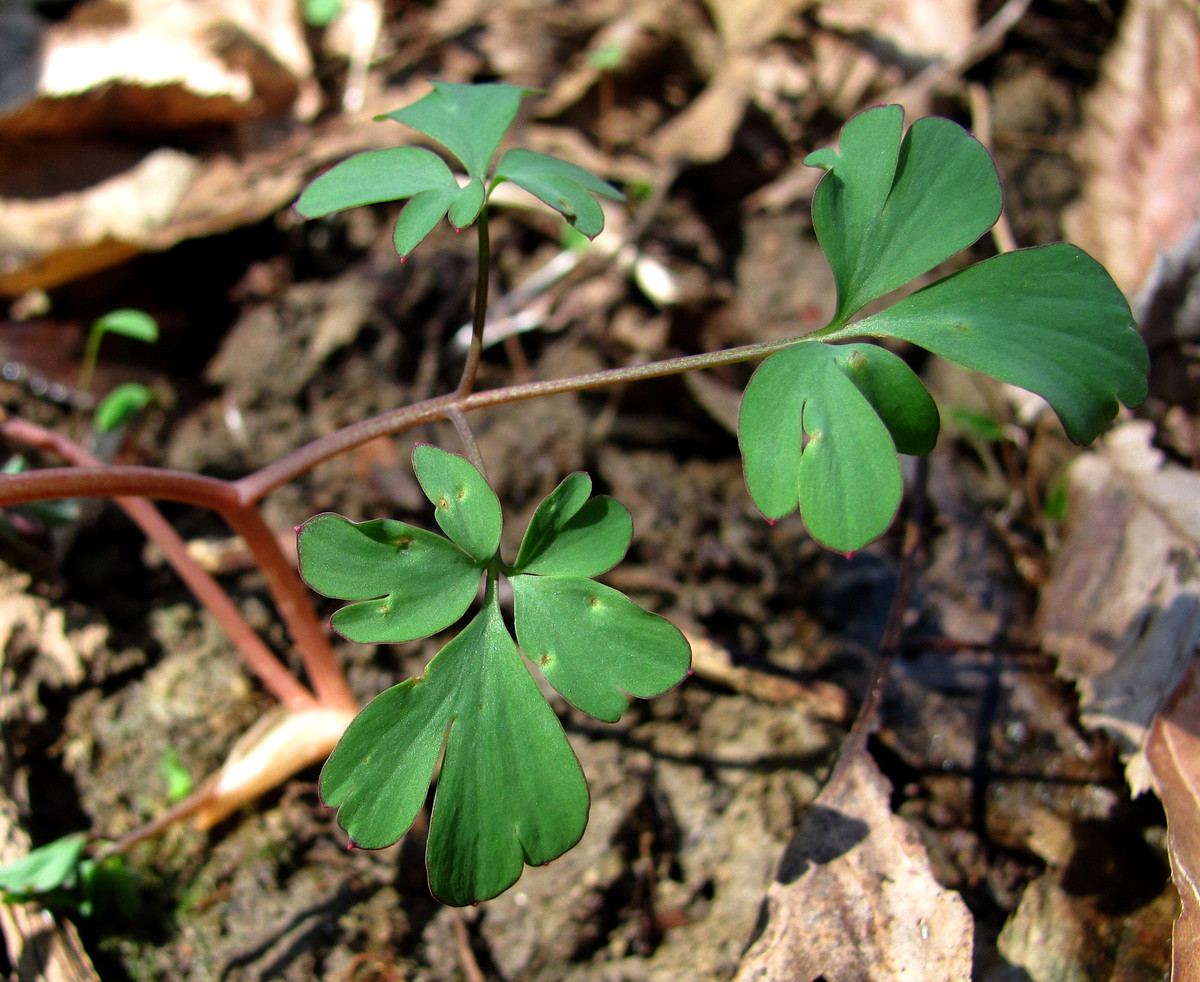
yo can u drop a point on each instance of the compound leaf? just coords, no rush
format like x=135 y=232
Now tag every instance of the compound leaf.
x=594 y=645
x=1050 y=320
x=465 y=507
x=812 y=439
x=572 y=535
x=511 y=791
x=565 y=187
x=412 y=583
x=888 y=211
x=468 y=120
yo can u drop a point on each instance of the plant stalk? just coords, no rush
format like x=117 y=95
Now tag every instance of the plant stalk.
x=258 y=657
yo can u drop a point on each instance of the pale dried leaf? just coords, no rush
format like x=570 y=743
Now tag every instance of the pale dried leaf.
x=1140 y=143
x=1121 y=610
x=713 y=663
x=855 y=898
x=1173 y=751
x=166 y=197
x=1057 y=934
x=159 y=64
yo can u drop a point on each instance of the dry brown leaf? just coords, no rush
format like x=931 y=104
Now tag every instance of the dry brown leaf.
x=882 y=42
x=1173 y=751
x=159 y=64
x=855 y=899
x=1121 y=610
x=713 y=663
x=1141 y=142
x=1058 y=933
x=81 y=232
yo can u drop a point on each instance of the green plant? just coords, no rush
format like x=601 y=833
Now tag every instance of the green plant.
x=822 y=423
x=61 y=876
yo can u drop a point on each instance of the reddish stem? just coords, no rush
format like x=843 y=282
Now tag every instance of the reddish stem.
x=258 y=657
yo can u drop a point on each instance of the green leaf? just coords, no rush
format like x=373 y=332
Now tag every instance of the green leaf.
x=888 y=211
x=812 y=439
x=566 y=188
x=419 y=217
x=378 y=175
x=572 y=535
x=414 y=583
x=510 y=792
x=128 y=323
x=48 y=868
x=595 y=645
x=468 y=120
x=1050 y=320
x=467 y=204
x=466 y=508
x=175 y=775
x=121 y=405
x=895 y=393
x=320 y=13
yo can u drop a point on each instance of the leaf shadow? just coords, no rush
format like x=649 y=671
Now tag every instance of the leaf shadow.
x=825 y=835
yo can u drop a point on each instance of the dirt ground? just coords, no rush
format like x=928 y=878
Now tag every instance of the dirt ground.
x=277 y=331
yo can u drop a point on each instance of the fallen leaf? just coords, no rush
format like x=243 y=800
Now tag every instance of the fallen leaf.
x=1058 y=933
x=854 y=897
x=1140 y=142
x=1173 y=751
x=1121 y=610
x=161 y=65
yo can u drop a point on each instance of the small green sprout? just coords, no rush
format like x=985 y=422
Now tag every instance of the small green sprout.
x=510 y=791
x=121 y=405
x=129 y=323
x=126 y=400
x=177 y=777
x=60 y=876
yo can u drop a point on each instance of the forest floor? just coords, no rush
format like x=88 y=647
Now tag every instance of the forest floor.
x=276 y=331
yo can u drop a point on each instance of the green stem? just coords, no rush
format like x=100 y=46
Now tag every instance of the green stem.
x=91 y=354
x=467 y=436
x=254 y=486
x=479 y=321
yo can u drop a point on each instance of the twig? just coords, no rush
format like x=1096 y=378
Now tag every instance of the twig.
x=258 y=657
x=462 y=941
x=868 y=715
x=981 y=125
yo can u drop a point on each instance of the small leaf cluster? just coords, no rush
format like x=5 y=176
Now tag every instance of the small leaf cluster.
x=510 y=791
x=129 y=398
x=821 y=423
x=469 y=121
x=60 y=876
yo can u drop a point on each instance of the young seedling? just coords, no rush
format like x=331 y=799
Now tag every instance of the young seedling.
x=821 y=424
